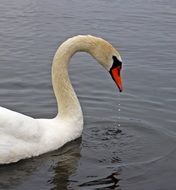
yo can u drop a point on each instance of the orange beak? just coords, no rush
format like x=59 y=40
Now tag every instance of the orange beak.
x=115 y=74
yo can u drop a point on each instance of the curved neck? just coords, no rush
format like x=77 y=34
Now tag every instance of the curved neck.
x=67 y=101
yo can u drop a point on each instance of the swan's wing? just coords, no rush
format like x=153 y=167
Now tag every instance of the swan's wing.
x=18 y=125
x=19 y=136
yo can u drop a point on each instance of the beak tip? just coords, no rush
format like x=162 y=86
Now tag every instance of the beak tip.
x=120 y=89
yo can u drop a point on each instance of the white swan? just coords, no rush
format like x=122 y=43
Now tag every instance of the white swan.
x=23 y=136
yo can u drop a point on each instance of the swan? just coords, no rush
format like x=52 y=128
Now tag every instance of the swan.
x=23 y=137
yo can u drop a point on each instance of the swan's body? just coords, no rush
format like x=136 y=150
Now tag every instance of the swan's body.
x=23 y=137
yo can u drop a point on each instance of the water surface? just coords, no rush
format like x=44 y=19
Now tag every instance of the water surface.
x=138 y=154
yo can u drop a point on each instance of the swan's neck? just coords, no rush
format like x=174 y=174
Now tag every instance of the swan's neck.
x=68 y=104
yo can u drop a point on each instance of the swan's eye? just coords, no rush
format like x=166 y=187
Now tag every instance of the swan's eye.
x=116 y=62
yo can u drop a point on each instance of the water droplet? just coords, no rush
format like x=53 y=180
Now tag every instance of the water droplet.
x=119 y=109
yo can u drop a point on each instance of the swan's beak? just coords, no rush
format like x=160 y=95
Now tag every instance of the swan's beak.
x=115 y=74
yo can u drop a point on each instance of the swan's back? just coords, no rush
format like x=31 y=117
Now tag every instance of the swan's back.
x=17 y=124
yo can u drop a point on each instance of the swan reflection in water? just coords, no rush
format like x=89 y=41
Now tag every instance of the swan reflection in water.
x=66 y=165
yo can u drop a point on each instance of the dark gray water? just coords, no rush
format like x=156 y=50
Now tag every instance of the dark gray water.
x=138 y=154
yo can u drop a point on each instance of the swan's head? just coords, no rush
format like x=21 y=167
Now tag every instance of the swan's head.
x=109 y=58
x=100 y=49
